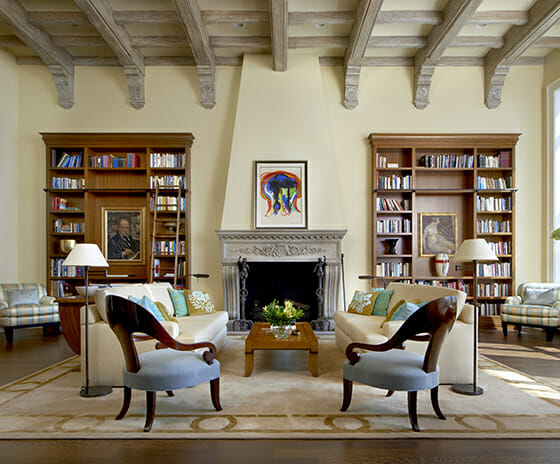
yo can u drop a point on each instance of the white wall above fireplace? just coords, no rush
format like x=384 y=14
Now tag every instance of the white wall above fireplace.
x=282 y=116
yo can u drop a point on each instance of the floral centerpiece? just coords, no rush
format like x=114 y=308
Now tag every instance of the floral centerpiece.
x=281 y=317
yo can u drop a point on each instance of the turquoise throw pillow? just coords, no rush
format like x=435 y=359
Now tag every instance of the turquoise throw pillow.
x=404 y=311
x=382 y=302
x=148 y=304
x=179 y=302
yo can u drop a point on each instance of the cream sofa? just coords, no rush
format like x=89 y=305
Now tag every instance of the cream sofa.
x=105 y=355
x=456 y=357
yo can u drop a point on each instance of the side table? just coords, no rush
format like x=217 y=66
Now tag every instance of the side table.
x=69 y=312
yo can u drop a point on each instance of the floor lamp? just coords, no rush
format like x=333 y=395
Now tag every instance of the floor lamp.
x=86 y=255
x=473 y=250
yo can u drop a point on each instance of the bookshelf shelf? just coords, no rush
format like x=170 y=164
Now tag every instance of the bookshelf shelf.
x=115 y=173
x=470 y=176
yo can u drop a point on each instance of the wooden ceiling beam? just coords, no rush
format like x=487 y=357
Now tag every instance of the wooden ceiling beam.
x=100 y=14
x=279 y=34
x=366 y=15
x=456 y=14
x=542 y=16
x=197 y=35
x=58 y=60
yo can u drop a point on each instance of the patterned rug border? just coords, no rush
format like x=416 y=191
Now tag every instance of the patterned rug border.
x=68 y=427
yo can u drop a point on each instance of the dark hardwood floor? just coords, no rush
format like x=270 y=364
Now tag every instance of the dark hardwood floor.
x=530 y=353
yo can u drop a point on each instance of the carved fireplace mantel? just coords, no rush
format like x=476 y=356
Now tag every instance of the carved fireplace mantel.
x=281 y=246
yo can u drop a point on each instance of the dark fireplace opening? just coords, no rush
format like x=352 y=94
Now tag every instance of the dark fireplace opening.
x=295 y=281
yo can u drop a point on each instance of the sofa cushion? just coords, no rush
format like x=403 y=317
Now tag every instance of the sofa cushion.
x=381 y=305
x=359 y=328
x=199 y=302
x=201 y=328
x=402 y=312
x=363 y=302
x=135 y=290
x=23 y=296
x=539 y=296
x=148 y=305
x=158 y=292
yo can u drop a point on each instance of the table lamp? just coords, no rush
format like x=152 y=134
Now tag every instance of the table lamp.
x=473 y=250
x=86 y=255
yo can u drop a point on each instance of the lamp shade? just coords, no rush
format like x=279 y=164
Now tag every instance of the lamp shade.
x=85 y=254
x=476 y=248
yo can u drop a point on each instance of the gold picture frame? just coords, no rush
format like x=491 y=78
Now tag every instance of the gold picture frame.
x=122 y=246
x=437 y=233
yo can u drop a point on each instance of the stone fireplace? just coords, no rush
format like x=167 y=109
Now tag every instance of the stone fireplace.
x=264 y=248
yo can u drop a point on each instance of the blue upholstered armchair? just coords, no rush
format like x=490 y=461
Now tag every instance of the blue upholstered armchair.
x=26 y=305
x=536 y=304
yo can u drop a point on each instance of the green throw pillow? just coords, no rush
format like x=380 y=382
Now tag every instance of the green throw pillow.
x=403 y=311
x=149 y=305
x=179 y=302
x=382 y=301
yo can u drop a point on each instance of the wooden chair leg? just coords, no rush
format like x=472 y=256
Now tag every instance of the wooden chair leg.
x=347 y=398
x=127 y=393
x=504 y=328
x=215 y=393
x=412 y=414
x=435 y=403
x=170 y=393
x=150 y=410
x=389 y=393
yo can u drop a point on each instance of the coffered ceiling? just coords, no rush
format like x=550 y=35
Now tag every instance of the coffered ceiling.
x=422 y=34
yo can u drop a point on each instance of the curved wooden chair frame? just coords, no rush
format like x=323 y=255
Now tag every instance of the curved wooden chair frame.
x=127 y=319
x=430 y=323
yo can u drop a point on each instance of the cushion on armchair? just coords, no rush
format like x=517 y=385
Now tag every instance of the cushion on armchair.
x=23 y=296
x=538 y=296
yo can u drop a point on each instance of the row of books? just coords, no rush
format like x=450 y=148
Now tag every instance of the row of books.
x=160 y=270
x=130 y=160
x=58 y=270
x=492 y=183
x=383 y=162
x=392 y=269
x=61 y=204
x=501 y=160
x=493 y=203
x=501 y=247
x=169 y=247
x=455 y=284
x=394 y=182
x=489 y=309
x=390 y=204
x=68 y=183
x=167 y=160
x=66 y=160
x=167 y=203
x=394 y=226
x=61 y=288
x=494 y=270
x=493 y=289
x=167 y=181
x=492 y=226
x=446 y=161
x=62 y=227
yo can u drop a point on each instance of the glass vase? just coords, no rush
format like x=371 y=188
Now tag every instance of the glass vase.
x=281 y=331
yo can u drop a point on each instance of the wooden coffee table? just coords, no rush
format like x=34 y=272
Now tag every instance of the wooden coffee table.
x=261 y=338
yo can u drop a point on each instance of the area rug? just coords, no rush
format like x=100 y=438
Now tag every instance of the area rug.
x=279 y=400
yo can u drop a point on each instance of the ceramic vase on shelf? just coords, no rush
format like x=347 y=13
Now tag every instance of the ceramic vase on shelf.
x=281 y=331
x=442 y=264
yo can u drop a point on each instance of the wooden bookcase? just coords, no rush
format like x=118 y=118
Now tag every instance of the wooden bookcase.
x=467 y=177
x=91 y=178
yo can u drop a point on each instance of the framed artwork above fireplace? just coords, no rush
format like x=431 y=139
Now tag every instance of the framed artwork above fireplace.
x=280 y=194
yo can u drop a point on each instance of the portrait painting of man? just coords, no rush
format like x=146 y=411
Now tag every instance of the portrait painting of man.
x=122 y=237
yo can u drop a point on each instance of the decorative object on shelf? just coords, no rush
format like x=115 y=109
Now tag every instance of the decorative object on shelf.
x=91 y=289
x=281 y=318
x=123 y=234
x=391 y=244
x=66 y=245
x=442 y=264
x=473 y=251
x=172 y=227
x=437 y=234
x=281 y=194
x=86 y=255
x=555 y=234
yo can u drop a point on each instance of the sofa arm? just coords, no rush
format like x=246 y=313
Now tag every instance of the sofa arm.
x=46 y=299
x=467 y=314
x=93 y=314
x=513 y=300
x=3 y=304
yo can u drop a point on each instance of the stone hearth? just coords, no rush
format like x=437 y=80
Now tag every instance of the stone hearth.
x=281 y=246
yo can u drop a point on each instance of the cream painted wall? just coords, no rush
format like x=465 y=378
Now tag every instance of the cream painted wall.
x=8 y=167
x=385 y=106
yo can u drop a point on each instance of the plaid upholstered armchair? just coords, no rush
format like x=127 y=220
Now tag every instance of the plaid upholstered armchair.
x=536 y=304
x=26 y=305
